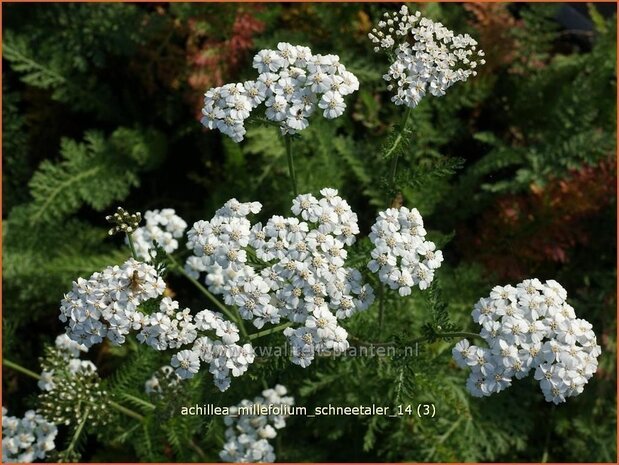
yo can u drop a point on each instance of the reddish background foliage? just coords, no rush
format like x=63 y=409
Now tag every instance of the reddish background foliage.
x=494 y=22
x=211 y=61
x=542 y=225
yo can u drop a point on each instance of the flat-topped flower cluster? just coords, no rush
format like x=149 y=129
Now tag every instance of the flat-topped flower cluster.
x=163 y=227
x=529 y=327
x=26 y=439
x=402 y=257
x=289 y=268
x=429 y=58
x=247 y=435
x=292 y=83
x=106 y=306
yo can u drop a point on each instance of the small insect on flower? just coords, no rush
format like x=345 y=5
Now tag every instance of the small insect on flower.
x=135 y=282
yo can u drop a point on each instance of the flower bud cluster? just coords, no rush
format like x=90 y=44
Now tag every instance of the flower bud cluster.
x=26 y=439
x=429 y=58
x=71 y=387
x=123 y=221
x=69 y=351
x=248 y=433
x=401 y=255
x=162 y=227
x=292 y=83
x=529 y=327
x=288 y=268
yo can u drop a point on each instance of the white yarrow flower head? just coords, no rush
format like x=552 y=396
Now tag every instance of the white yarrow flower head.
x=163 y=227
x=107 y=305
x=292 y=83
x=26 y=439
x=529 y=328
x=429 y=58
x=253 y=424
x=302 y=275
x=402 y=257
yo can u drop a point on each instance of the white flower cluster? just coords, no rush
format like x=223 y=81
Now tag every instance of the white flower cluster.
x=292 y=83
x=529 y=327
x=301 y=274
x=224 y=357
x=105 y=305
x=436 y=59
x=401 y=255
x=248 y=432
x=71 y=351
x=170 y=328
x=27 y=439
x=163 y=227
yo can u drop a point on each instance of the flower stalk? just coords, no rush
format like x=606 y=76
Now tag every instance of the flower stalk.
x=268 y=332
x=446 y=335
x=131 y=246
x=395 y=156
x=290 y=156
x=233 y=316
x=32 y=374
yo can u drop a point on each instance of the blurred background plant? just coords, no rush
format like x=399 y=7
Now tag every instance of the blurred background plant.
x=514 y=173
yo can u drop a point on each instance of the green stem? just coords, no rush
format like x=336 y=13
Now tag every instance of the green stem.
x=211 y=297
x=197 y=448
x=267 y=332
x=381 y=306
x=293 y=176
x=546 y=453
x=463 y=334
x=396 y=143
x=78 y=432
x=137 y=400
x=32 y=374
x=126 y=411
x=459 y=334
x=132 y=247
x=21 y=369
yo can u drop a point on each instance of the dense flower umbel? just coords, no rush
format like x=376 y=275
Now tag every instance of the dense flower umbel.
x=529 y=327
x=169 y=328
x=163 y=227
x=429 y=58
x=401 y=255
x=299 y=271
x=248 y=434
x=292 y=83
x=106 y=305
x=26 y=439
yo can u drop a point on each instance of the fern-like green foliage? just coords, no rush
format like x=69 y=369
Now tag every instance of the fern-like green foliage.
x=96 y=172
x=15 y=156
x=101 y=106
